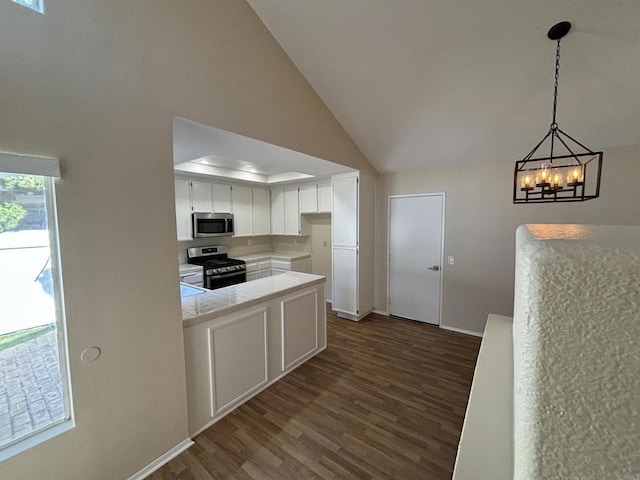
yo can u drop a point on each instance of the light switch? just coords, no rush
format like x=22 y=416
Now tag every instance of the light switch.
x=451 y=260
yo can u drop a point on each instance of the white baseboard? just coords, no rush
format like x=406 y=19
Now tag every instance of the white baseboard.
x=381 y=312
x=162 y=460
x=460 y=330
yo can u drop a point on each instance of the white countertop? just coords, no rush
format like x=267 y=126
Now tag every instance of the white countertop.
x=216 y=303
x=276 y=255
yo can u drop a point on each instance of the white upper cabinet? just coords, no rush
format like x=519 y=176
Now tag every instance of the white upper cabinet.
x=308 y=198
x=201 y=196
x=277 y=211
x=324 y=198
x=183 y=208
x=345 y=210
x=221 y=198
x=291 y=212
x=261 y=212
x=242 y=211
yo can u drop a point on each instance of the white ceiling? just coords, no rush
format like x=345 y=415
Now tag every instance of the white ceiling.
x=204 y=150
x=423 y=83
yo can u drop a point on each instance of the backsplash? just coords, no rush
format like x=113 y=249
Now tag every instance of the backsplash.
x=237 y=246
x=240 y=246
x=291 y=244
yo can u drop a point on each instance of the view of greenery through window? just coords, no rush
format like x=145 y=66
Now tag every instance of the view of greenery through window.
x=31 y=390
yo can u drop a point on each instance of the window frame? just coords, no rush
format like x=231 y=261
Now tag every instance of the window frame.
x=48 y=168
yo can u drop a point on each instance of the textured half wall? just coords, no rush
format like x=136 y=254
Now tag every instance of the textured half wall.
x=577 y=359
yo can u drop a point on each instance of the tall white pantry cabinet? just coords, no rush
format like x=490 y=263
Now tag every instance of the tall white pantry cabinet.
x=352 y=244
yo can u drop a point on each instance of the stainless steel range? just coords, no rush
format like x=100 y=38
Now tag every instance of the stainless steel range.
x=218 y=269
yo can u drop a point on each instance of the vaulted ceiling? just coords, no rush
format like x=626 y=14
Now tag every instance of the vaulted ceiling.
x=425 y=83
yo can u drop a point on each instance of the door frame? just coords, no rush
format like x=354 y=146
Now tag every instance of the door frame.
x=435 y=194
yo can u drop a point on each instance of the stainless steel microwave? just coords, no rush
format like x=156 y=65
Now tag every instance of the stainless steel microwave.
x=212 y=224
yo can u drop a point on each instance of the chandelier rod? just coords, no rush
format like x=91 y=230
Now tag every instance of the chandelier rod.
x=554 y=123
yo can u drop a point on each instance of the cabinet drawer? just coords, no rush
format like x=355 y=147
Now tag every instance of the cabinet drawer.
x=280 y=265
x=264 y=265
x=252 y=267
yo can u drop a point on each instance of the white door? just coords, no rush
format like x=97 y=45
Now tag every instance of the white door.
x=415 y=256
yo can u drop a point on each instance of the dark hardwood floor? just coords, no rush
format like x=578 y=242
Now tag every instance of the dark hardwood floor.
x=385 y=400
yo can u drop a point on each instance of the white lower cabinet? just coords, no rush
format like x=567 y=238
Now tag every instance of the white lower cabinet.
x=345 y=280
x=231 y=358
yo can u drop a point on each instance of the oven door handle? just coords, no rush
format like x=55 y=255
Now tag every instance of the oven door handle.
x=226 y=275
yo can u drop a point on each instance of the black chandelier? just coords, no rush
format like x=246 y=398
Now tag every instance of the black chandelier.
x=562 y=176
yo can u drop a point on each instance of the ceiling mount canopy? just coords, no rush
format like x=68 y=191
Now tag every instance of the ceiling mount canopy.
x=562 y=175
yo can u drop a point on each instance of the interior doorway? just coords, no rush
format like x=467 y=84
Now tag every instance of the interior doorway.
x=416 y=230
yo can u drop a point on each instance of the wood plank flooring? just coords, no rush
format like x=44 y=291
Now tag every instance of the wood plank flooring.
x=385 y=400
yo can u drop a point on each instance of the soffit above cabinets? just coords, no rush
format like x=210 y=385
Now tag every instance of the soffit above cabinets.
x=208 y=151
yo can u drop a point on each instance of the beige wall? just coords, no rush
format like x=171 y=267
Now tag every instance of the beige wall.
x=95 y=83
x=481 y=222
x=320 y=240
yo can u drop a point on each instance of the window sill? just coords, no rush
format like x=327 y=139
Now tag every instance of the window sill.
x=36 y=439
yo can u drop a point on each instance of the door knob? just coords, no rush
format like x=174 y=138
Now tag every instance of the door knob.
x=434 y=268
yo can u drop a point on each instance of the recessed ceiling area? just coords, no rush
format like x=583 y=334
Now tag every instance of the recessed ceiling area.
x=204 y=150
x=432 y=83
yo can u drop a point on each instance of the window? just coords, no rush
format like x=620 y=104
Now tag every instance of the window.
x=34 y=393
x=37 y=5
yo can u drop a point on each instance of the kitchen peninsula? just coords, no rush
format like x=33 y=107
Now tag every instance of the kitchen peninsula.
x=242 y=338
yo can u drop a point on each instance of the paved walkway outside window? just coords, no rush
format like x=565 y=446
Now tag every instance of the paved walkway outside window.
x=30 y=386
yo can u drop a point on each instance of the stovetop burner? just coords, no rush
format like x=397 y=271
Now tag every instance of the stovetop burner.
x=214 y=260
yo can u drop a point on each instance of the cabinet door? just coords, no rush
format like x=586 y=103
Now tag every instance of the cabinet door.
x=324 y=198
x=242 y=211
x=183 y=209
x=277 y=211
x=345 y=280
x=291 y=212
x=344 y=226
x=308 y=198
x=261 y=212
x=299 y=327
x=201 y=196
x=238 y=359
x=221 y=198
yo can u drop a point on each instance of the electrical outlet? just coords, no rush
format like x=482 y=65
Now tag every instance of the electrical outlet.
x=249 y=242
x=451 y=260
